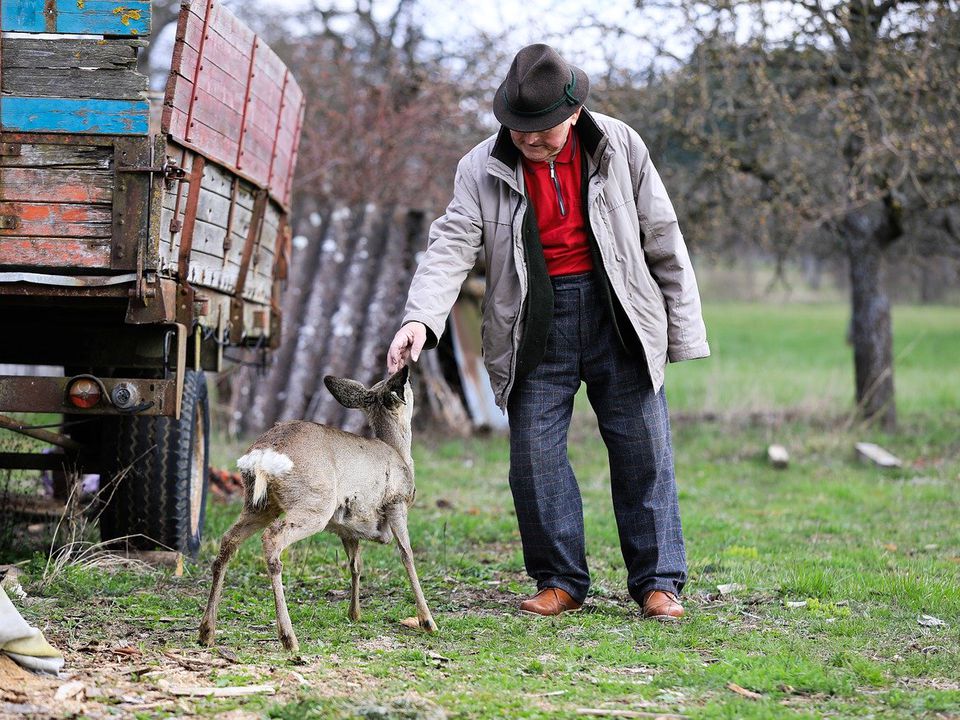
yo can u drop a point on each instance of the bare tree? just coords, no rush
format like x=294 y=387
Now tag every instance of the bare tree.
x=847 y=122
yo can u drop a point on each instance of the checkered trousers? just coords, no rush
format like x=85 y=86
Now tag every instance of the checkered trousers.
x=635 y=426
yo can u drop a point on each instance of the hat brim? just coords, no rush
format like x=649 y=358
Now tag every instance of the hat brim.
x=538 y=123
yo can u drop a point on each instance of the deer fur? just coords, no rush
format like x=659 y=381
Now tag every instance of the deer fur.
x=301 y=478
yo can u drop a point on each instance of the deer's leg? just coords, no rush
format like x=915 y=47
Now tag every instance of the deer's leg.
x=276 y=537
x=245 y=526
x=353 y=555
x=397 y=517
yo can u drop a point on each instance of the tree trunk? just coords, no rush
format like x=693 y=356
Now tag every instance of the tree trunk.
x=867 y=234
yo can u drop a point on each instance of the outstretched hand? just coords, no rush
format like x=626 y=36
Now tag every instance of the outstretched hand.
x=407 y=344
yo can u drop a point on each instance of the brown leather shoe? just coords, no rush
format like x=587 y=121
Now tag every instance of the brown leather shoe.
x=550 y=601
x=660 y=605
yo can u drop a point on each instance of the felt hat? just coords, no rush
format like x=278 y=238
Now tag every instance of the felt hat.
x=541 y=90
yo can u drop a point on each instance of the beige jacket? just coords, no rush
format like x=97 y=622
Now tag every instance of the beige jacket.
x=636 y=231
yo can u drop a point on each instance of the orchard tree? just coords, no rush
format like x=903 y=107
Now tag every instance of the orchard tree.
x=803 y=119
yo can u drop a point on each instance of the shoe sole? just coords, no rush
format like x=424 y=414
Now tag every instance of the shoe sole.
x=536 y=614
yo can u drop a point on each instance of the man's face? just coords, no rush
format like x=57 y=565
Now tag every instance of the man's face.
x=545 y=144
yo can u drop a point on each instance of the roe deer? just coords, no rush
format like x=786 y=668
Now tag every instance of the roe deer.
x=320 y=478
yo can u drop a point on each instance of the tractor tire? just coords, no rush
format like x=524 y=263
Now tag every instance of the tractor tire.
x=155 y=493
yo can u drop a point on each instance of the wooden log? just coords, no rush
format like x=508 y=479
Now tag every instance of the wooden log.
x=306 y=396
x=32 y=506
x=870 y=452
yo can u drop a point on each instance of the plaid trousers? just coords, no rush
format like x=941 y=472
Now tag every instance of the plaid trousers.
x=635 y=426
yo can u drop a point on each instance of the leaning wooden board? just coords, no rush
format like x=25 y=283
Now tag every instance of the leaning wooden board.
x=86 y=188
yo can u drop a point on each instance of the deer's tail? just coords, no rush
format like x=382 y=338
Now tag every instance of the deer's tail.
x=259 y=467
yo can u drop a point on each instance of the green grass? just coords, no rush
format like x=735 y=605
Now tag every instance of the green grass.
x=834 y=562
x=795 y=358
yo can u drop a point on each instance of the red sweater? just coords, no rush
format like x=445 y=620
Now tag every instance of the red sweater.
x=554 y=190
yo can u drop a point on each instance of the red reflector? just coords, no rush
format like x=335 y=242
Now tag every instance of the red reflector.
x=84 y=393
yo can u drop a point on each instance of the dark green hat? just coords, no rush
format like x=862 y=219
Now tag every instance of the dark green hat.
x=541 y=90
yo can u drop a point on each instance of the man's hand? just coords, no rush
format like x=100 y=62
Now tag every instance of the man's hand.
x=407 y=343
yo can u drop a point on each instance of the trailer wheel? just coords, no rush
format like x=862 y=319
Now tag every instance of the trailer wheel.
x=157 y=474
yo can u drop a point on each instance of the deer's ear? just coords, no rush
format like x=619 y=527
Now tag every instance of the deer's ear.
x=348 y=393
x=396 y=382
x=395 y=385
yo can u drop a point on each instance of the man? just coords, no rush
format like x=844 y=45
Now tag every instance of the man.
x=587 y=279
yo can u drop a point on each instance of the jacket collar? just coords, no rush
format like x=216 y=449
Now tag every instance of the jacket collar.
x=504 y=161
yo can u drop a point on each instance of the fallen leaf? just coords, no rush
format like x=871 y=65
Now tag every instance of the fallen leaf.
x=796 y=604
x=930 y=621
x=437 y=658
x=744 y=692
x=126 y=651
x=69 y=690
x=728 y=588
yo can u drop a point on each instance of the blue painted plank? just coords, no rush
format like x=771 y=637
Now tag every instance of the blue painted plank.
x=101 y=117
x=82 y=17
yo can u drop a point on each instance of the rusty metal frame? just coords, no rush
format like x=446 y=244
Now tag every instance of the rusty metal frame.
x=247 y=97
x=294 y=152
x=131 y=203
x=228 y=236
x=190 y=217
x=253 y=234
x=276 y=130
x=48 y=394
x=8 y=423
x=194 y=96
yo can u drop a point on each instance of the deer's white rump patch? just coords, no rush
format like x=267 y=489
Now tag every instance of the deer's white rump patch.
x=266 y=460
x=264 y=463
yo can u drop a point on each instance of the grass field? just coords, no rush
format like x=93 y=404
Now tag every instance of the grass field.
x=829 y=589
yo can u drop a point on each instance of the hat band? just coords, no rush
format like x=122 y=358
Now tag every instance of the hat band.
x=567 y=97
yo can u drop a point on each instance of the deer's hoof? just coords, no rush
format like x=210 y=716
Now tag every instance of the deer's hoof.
x=428 y=625
x=290 y=643
x=206 y=636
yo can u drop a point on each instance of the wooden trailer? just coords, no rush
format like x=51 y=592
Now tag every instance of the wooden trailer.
x=137 y=241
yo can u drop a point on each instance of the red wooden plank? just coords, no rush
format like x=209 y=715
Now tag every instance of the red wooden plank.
x=221 y=124
x=249 y=127
x=55 y=252
x=296 y=149
x=58 y=219
x=231 y=28
x=46 y=184
x=248 y=97
x=270 y=65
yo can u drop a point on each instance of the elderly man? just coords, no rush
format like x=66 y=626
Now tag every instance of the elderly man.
x=587 y=279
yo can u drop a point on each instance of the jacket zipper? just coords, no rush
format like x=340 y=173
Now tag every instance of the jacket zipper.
x=556 y=186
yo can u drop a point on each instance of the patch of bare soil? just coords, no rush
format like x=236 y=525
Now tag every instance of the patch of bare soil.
x=106 y=680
